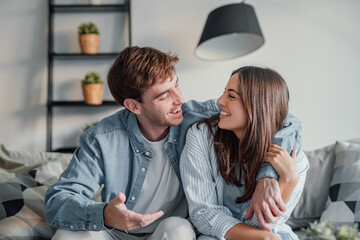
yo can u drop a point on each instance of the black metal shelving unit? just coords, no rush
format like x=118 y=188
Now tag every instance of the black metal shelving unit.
x=52 y=55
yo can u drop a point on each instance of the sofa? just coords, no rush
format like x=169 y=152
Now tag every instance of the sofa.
x=332 y=189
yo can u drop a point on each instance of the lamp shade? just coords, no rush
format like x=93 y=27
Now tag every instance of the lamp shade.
x=230 y=31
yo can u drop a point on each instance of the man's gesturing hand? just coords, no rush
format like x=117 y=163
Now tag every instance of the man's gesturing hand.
x=266 y=202
x=117 y=215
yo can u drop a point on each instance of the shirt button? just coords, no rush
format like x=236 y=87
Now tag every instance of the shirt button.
x=94 y=226
x=147 y=153
x=137 y=150
x=143 y=169
x=133 y=198
x=71 y=226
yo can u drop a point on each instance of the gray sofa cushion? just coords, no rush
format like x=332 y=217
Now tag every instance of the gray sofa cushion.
x=343 y=204
x=316 y=191
x=313 y=199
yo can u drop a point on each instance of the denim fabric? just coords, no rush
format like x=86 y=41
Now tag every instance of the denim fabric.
x=212 y=206
x=115 y=155
x=289 y=137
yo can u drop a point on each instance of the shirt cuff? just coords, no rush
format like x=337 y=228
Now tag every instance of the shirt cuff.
x=95 y=216
x=222 y=225
x=267 y=170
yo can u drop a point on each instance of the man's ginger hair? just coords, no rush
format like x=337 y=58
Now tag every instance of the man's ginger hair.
x=137 y=69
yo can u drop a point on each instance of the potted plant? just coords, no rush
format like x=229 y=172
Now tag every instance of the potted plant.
x=88 y=38
x=327 y=231
x=93 y=88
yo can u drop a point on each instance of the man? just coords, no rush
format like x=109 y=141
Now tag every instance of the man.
x=135 y=155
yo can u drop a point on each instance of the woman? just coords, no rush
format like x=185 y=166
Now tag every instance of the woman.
x=223 y=154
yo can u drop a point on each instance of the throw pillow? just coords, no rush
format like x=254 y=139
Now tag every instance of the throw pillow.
x=49 y=173
x=22 y=207
x=24 y=161
x=343 y=204
x=315 y=193
x=22 y=196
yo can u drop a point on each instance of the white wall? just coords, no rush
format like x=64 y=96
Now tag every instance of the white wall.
x=314 y=45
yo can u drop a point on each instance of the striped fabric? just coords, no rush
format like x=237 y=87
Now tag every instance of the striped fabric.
x=204 y=189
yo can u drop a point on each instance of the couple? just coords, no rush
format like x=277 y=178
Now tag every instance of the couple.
x=135 y=156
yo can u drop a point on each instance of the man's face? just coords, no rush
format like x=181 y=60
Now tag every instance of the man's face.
x=161 y=104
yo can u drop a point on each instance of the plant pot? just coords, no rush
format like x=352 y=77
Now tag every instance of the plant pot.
x=93 y=93
x=89 y=43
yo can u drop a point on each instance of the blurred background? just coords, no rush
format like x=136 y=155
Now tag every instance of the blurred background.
x=314 y=45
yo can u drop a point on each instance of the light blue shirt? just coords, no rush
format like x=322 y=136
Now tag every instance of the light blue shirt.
x=212 y=206
x=114 y=154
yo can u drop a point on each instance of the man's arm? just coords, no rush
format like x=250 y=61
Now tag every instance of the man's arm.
x=293 y=185
x=68 y=203
x=285 y=166
x=267 y=202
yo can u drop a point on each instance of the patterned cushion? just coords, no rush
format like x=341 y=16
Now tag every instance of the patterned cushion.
x=316 y=190
x=343 y=202
x=22 y=200
x=22 y=207
x=24 y=161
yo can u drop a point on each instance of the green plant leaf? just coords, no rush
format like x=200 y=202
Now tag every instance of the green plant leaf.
x=92 y=77
x=86 y=28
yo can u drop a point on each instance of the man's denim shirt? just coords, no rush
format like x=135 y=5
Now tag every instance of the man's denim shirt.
x=114 y=154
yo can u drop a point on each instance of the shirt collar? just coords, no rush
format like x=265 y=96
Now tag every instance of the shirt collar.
x=137 y=139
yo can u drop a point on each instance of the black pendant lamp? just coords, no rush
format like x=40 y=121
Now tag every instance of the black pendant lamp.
x=230 y=31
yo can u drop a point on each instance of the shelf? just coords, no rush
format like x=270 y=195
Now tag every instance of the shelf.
x=80 y=104
x=83 y=56
x=90 y=8
x=65 y=150
x=53 y=56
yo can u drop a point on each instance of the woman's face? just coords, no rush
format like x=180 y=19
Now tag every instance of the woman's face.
x=233 y=116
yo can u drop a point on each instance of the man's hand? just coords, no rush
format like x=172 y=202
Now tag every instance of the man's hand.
x=117 y=215
x=266 y=202
x=285 y=166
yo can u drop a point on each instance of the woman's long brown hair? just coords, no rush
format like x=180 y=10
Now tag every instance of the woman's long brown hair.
x=265 y=96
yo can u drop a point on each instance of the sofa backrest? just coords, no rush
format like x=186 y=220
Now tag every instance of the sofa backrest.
x=316 y=190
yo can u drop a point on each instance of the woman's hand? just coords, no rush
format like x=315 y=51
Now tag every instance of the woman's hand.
x=285 y=166
x=282 y=162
